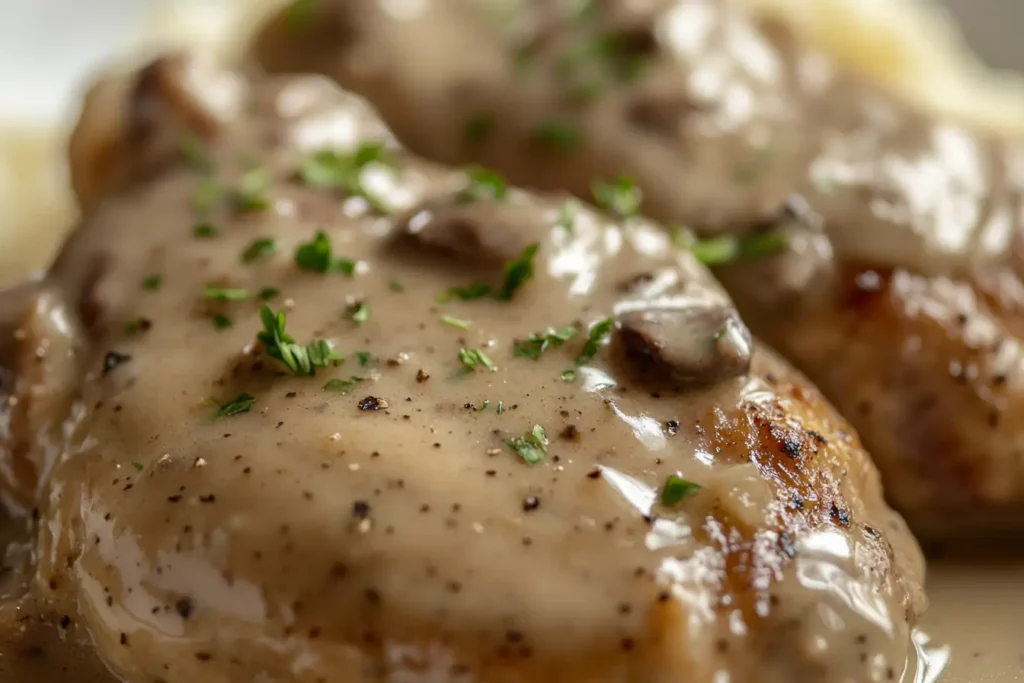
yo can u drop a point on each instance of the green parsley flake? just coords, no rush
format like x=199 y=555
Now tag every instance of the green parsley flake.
x=717 y=251
x=473 y=358
x=364 y=357
x=343 y=386
x=316 y=256
x=532 y=447
x=359 y=313
x=330 y=170
x=483 y=406
x=300 y=360
x=222 y=322
x=566 y=219
x=138 y=466
x=559 y=135
x=193 y=149
x=396 y=286
x=257 y=249
x=251 y=193
x=207 y=194
x=537 y=344
x=204 y=230
x=455 y=322
x=621 y=198
x=153 y=282
x=676 y=489
x=569 y=375
x=242 y=403
x=216 y=293
x=477 y=290
x=501 y=407
x=484 y=184
x=479 y=128
x=268 y=293
x=518 y=272
x=595 y=339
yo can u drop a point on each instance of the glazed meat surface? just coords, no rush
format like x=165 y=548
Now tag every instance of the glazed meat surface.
x=898 y=289
x=635 y=494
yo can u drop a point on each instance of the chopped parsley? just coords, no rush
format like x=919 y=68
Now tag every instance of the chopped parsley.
x=258 y=248
x=479 y=128
x=501 y=407
x=153 y=282
x=473 y=358
x=395 y=286
x=455 y=322
x=517 y=272
x=620 y=198
x=330 y=170
x=676 y=489
x=477 y=290
x=136 y=326
x=216 y=293
x=560 y=135
x=242 y=403
x=222 y=322
x=343 y=386
x=364 y=358
x=207 y=194
x=204 y=230
x=569 y=375
x=595 y=339
x=251 y=193
x=193 y=149
x=532 y=447
x=316 y=256
x=483 y=406
x=138 y=466
x=484 y=184
x=268 y=293
x=717 y=251
x=358 y=313
x=566 y=219
x=300 y=360
x=537 y=344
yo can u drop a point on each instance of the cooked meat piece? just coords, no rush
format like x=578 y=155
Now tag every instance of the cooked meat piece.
x=490 y=486
x=729 y=125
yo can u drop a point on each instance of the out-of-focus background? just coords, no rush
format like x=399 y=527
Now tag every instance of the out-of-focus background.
x=49 y=49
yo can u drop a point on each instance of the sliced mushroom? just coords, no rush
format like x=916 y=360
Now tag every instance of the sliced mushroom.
x=690 y=345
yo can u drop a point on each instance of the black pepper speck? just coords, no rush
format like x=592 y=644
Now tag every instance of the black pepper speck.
x=114 y=359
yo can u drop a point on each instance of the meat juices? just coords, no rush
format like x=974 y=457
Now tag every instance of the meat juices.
x=484 y=490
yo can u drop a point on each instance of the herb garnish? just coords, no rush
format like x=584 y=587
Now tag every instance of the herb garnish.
x=518 y=272
x=138 y=466
x=620 y=198
x=569 y=375
x=395 y=286
x=316 y=256
x=532 y=447
x=566 y=219
x=343 y=386
x=242 y=403
x=716 y=251
x=250 y=195
x=301 y=360
x=153 y=282
x=675 y=489
x=257 y=249
x=222 y=322
x=483 y=406
x=207 y=194
x=329 y=170
x=358 y=313
x=216 y=293
x=595 y=338
x=455 y=322
x=472 y=358
x=268 y=293
x=364 y=357
x=477 y=290
x=204 y=230
x=193 y=149
x=539 y=343
x=484 y=184
x=501 y=407
x=299 y=14
x=560 y=135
